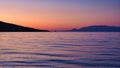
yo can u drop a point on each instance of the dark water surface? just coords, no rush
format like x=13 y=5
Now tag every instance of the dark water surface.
x=60 y=50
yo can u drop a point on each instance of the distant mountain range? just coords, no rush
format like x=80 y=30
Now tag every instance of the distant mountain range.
x=98 y=28
x=7 y=27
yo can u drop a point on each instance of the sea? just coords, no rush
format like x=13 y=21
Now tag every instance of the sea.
x=60 y=50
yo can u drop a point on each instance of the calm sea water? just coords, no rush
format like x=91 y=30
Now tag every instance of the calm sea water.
x=60 y=50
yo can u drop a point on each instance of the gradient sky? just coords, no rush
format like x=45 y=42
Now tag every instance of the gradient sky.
x=60 y=14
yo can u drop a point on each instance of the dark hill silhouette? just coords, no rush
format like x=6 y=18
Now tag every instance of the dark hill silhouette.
x=7 y=27
x=98 y=28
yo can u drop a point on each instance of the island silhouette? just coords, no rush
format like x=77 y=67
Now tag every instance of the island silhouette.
x=97 y=28
x=8 y=27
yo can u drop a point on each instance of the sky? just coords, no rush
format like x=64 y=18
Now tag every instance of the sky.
x=60 y=14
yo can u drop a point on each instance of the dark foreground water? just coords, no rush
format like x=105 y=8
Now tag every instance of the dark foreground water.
x=60 y=50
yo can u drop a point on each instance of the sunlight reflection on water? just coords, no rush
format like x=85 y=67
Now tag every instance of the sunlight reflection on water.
x=60 y=50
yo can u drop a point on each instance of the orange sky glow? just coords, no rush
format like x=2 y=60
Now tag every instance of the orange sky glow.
x=60 y=15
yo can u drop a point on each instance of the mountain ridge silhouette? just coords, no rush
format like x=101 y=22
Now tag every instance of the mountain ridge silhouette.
x=97 y=28
x=8 y=27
